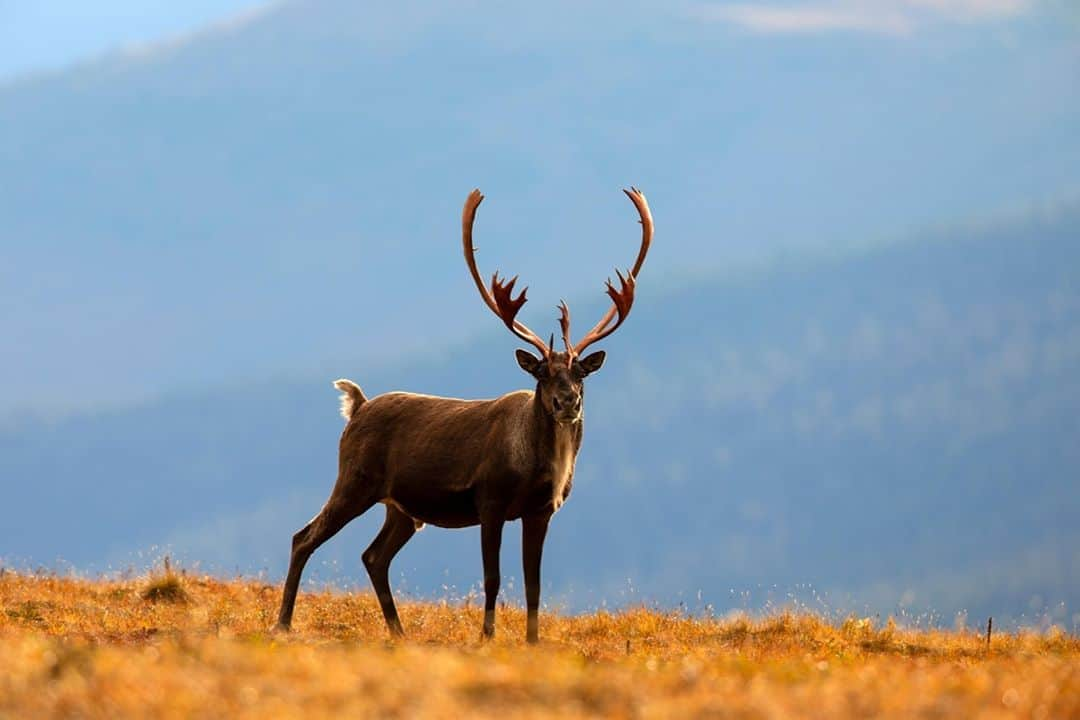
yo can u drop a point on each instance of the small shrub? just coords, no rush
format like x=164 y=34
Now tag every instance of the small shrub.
x=166 y=588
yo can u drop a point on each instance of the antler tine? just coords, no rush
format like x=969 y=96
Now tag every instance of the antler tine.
x=564 y=323
x=500 y=298
x=638 y=198
x=623 y=298
x=468 y=216
x=621 y=301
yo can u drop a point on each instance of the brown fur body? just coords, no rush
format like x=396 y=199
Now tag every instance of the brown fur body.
x=447 y=462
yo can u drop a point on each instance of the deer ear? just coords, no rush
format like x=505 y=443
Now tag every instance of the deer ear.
x=592 y=363
x=528 y=362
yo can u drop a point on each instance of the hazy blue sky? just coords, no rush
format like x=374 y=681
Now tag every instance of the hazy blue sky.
x=48 y=34
x=41 y=35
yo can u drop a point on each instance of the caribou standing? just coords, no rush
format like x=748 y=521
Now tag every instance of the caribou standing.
x=457 y=463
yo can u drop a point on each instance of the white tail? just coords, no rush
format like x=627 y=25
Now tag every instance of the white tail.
x=352 y=397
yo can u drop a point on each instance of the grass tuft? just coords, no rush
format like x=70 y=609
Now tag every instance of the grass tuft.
x=165 y=588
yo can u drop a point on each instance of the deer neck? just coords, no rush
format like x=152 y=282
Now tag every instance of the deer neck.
x=556 y=446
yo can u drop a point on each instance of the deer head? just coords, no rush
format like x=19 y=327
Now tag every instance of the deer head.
x=560 y=376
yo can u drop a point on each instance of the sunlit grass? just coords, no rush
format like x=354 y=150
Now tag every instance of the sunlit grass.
x=78 y=648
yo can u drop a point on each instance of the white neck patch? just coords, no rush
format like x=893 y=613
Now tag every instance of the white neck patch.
x=562 y=463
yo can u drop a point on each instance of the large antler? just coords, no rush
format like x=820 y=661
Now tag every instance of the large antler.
x=500 y=298
x=623 y=298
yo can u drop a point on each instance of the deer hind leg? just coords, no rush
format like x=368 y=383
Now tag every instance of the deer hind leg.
x=335 y=515
x=396 y=531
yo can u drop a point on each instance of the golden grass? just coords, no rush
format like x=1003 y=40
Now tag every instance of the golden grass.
x=100 y=649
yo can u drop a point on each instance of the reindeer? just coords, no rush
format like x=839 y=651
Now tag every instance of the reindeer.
x=457 y=463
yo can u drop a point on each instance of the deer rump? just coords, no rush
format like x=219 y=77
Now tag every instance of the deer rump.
x=441 y=460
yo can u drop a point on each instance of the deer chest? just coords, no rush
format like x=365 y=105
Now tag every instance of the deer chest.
x=561 y=467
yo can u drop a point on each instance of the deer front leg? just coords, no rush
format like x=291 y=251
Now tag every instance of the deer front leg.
x=490 y=541
x=533 y=532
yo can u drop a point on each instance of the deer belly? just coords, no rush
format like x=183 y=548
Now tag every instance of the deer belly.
x=452 y=509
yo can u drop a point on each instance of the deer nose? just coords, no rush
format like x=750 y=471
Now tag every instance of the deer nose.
x=568 y=403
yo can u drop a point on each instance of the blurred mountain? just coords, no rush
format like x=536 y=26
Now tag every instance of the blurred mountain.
x=894 y=428
x=260 y=199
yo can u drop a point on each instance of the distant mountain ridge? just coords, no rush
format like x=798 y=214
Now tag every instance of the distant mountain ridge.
x=234 y=205
x=897 y=428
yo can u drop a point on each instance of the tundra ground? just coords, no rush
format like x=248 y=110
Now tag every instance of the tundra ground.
x=184 y=646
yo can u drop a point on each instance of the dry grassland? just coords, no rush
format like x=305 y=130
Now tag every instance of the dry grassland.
x=199 y=647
